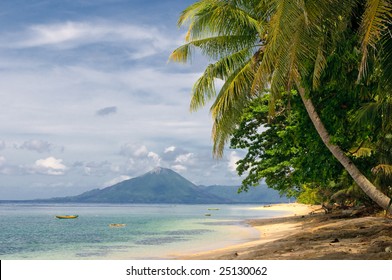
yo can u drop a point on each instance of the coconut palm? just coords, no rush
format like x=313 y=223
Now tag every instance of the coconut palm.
x=260 y=45
x=230 y=33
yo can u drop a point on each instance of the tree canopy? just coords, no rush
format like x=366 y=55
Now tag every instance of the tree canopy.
x=335 y=55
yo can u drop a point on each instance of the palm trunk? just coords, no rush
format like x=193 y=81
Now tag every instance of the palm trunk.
x=377 y=196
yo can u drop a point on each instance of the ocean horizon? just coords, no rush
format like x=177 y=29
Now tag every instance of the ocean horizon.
x=143 y=231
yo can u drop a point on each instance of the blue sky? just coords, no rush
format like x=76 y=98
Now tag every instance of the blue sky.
x=88 y=98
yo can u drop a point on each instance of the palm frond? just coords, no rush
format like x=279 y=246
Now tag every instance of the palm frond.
x=362 y=152
x=235 y=87
x=384 y=169
x=386 y=56
x=213 y=47
x=368 y=113
x=224 y=126
x=374 y=22
x=319 y=66
x=204 y=88
x=182 y=54
x=227 y=109
x=189 y=14
x=212 y=17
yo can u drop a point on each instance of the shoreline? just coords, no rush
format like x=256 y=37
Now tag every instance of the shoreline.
x=307 y=233
x=265 y=234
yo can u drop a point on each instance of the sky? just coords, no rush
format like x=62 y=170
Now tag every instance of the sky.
x=89 y=98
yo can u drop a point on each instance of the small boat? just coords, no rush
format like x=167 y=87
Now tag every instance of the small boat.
x=207 y=214
x=67 y=217
x=117 y=225
x=213 y=208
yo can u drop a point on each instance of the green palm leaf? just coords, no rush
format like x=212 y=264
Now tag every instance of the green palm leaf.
x=384 y=169
x=374 y=22
x=204 y=89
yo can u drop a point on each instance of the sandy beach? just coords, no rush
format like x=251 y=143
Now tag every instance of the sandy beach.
x=308 y=233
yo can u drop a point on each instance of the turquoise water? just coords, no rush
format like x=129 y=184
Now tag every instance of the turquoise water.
x=31 y=231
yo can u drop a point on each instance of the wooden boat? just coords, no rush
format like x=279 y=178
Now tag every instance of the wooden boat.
x=67 y=217
x=117 y=225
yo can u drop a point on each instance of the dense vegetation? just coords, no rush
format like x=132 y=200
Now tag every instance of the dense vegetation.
x=307 y=92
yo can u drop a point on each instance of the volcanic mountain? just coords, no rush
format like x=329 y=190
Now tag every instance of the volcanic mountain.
x=160 y=185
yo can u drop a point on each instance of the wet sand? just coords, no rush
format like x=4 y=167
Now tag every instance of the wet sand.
x=307 y=233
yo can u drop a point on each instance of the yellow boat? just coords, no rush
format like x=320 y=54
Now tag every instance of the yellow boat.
x=67 y=217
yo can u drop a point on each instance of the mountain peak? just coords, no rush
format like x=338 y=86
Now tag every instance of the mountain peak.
x=158 y=170
x=160 y=185
x=163 y=185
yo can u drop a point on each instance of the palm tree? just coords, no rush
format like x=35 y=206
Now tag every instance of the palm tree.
x=229 y=32
x=261 y=45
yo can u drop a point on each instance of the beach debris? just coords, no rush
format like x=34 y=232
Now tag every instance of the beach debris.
x=236 y=254
x=388 y=249
x=319 y=210
x=335 y=241
x=326 y=208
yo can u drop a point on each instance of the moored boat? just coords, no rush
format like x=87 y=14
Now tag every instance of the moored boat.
x=117 y=225
x=67 y=216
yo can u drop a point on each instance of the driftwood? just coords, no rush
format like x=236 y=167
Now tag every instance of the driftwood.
x=340 y=211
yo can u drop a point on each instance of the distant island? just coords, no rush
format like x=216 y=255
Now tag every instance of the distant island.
x=162 y=185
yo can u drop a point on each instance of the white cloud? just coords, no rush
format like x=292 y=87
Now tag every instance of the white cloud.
x=93 y=168
x=139 y=159
x=142 y=53
x=141 y=151
x=141 y=41
x=170 y=149
x=50 y=166
x=116 y=180
x=178 y=167
x=58 y=33
x=133 y=150
x=155 y=157
x=233 y=158
x=184 y=158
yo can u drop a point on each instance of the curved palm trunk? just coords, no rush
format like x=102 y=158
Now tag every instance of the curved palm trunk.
x=377 y=196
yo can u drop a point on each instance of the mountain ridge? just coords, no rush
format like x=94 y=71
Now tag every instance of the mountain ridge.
x=160 y=185
x=163 y=185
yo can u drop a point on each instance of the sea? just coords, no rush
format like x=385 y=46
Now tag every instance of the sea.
x=31 y=231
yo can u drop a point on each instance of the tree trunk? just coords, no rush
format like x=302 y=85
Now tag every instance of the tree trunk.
x=376 y=195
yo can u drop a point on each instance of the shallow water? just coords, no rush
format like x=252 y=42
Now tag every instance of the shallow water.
x=31 y=231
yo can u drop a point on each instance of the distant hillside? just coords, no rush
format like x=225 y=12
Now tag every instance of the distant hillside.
x=163 y=185
x=160 y=185
x=259 y=194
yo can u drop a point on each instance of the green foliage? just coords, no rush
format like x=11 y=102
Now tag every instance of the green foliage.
x=286 y=150
x=335 y=52
x=310 y=195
